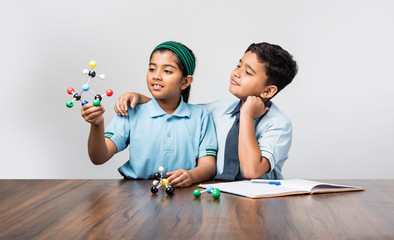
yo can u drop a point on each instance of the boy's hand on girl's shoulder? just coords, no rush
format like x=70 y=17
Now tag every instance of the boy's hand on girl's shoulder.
x=253 y=107
x=180 y=178
x=92 y=114
x=124 y=101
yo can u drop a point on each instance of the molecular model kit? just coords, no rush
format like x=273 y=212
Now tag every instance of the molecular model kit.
x=161 y=181
x=214 y=191
x=86 y=87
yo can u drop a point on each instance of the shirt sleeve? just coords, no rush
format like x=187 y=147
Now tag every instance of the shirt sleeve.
x=208 y=106
x=275 y=143
x=119 y=132
x=208 y=141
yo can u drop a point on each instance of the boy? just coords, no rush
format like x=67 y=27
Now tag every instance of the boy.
x=254 y=137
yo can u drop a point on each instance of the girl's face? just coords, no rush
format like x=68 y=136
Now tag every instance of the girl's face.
x=164 y=77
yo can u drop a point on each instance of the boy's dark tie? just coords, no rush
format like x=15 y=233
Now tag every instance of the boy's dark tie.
x=231 y=168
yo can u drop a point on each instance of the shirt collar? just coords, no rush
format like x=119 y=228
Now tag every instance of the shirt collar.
x=235 y=108
x=183 y=109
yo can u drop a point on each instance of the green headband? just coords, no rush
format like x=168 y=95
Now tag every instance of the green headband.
x=183 y=53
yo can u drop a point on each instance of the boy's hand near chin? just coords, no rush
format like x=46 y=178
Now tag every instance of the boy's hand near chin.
x=180 y=178
x=253 y=107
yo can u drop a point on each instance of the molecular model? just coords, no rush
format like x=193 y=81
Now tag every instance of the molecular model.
x=160 y=181
x=86 y=87
x=215 y=192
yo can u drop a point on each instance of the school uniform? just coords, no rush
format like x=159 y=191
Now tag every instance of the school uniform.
x=273 y=134
x=158 y=139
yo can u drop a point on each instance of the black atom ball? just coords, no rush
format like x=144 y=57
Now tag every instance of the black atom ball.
x=154 y=190
x=77 y=96
x=92 y=74
x=157 y=176
x=98 y=96
x=170 y=190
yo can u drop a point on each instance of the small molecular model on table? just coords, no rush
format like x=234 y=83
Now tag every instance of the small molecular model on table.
x=161 y=181
x=215 y=192
x=86 y=87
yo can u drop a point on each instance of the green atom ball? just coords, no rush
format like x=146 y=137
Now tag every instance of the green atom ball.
x=70 y=104
x=197 y=193
x=216 y=193
x=96 y=102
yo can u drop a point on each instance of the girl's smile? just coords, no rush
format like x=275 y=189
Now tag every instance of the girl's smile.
x=157 y=87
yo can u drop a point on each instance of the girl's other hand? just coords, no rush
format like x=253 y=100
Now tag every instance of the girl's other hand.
x=180 y=178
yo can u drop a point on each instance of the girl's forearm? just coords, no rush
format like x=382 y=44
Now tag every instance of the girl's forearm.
x=204 y=170
x=97 y=147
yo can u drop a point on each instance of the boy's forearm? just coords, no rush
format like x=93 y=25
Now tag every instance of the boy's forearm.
x=204 y=170
x=251 y=161
x=97 y=147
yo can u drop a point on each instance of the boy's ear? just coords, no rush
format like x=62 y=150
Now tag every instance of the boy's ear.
x=186 y=81
x=269 y=92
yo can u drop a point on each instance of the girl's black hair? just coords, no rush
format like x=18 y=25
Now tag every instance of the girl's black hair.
x=186 y=92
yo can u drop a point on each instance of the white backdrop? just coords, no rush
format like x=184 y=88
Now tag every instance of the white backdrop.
x=340 y=103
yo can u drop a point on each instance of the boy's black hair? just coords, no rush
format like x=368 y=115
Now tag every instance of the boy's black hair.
x=279 y=64
x=186 y=92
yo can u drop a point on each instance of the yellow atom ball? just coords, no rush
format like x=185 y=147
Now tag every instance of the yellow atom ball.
x=164 y=182
x=92 y=64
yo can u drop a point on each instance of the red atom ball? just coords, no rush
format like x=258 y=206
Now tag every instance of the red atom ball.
x=109 y=92
x=70 y=90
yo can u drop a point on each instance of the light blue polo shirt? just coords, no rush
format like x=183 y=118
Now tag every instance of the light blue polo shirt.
x=273 y=133
x=158 y=139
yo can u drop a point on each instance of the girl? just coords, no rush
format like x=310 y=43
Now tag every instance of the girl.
x=164 y=132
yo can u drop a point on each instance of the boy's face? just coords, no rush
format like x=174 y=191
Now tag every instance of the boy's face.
x=248 y=78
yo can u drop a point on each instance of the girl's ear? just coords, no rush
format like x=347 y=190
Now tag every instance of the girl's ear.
x=269 y=92
x=186 y=82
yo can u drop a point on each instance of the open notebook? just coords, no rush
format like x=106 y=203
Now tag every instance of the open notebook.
x=258 y=188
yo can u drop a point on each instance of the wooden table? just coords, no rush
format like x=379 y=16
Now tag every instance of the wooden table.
x=119 y=209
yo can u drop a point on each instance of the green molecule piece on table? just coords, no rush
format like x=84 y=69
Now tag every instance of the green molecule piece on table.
x=214 y=191
x=197 y=193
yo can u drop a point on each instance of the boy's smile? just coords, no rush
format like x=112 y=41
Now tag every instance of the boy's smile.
x=233 y=82
x=248 y=78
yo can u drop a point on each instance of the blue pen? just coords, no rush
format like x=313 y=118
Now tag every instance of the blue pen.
x=277 y=183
